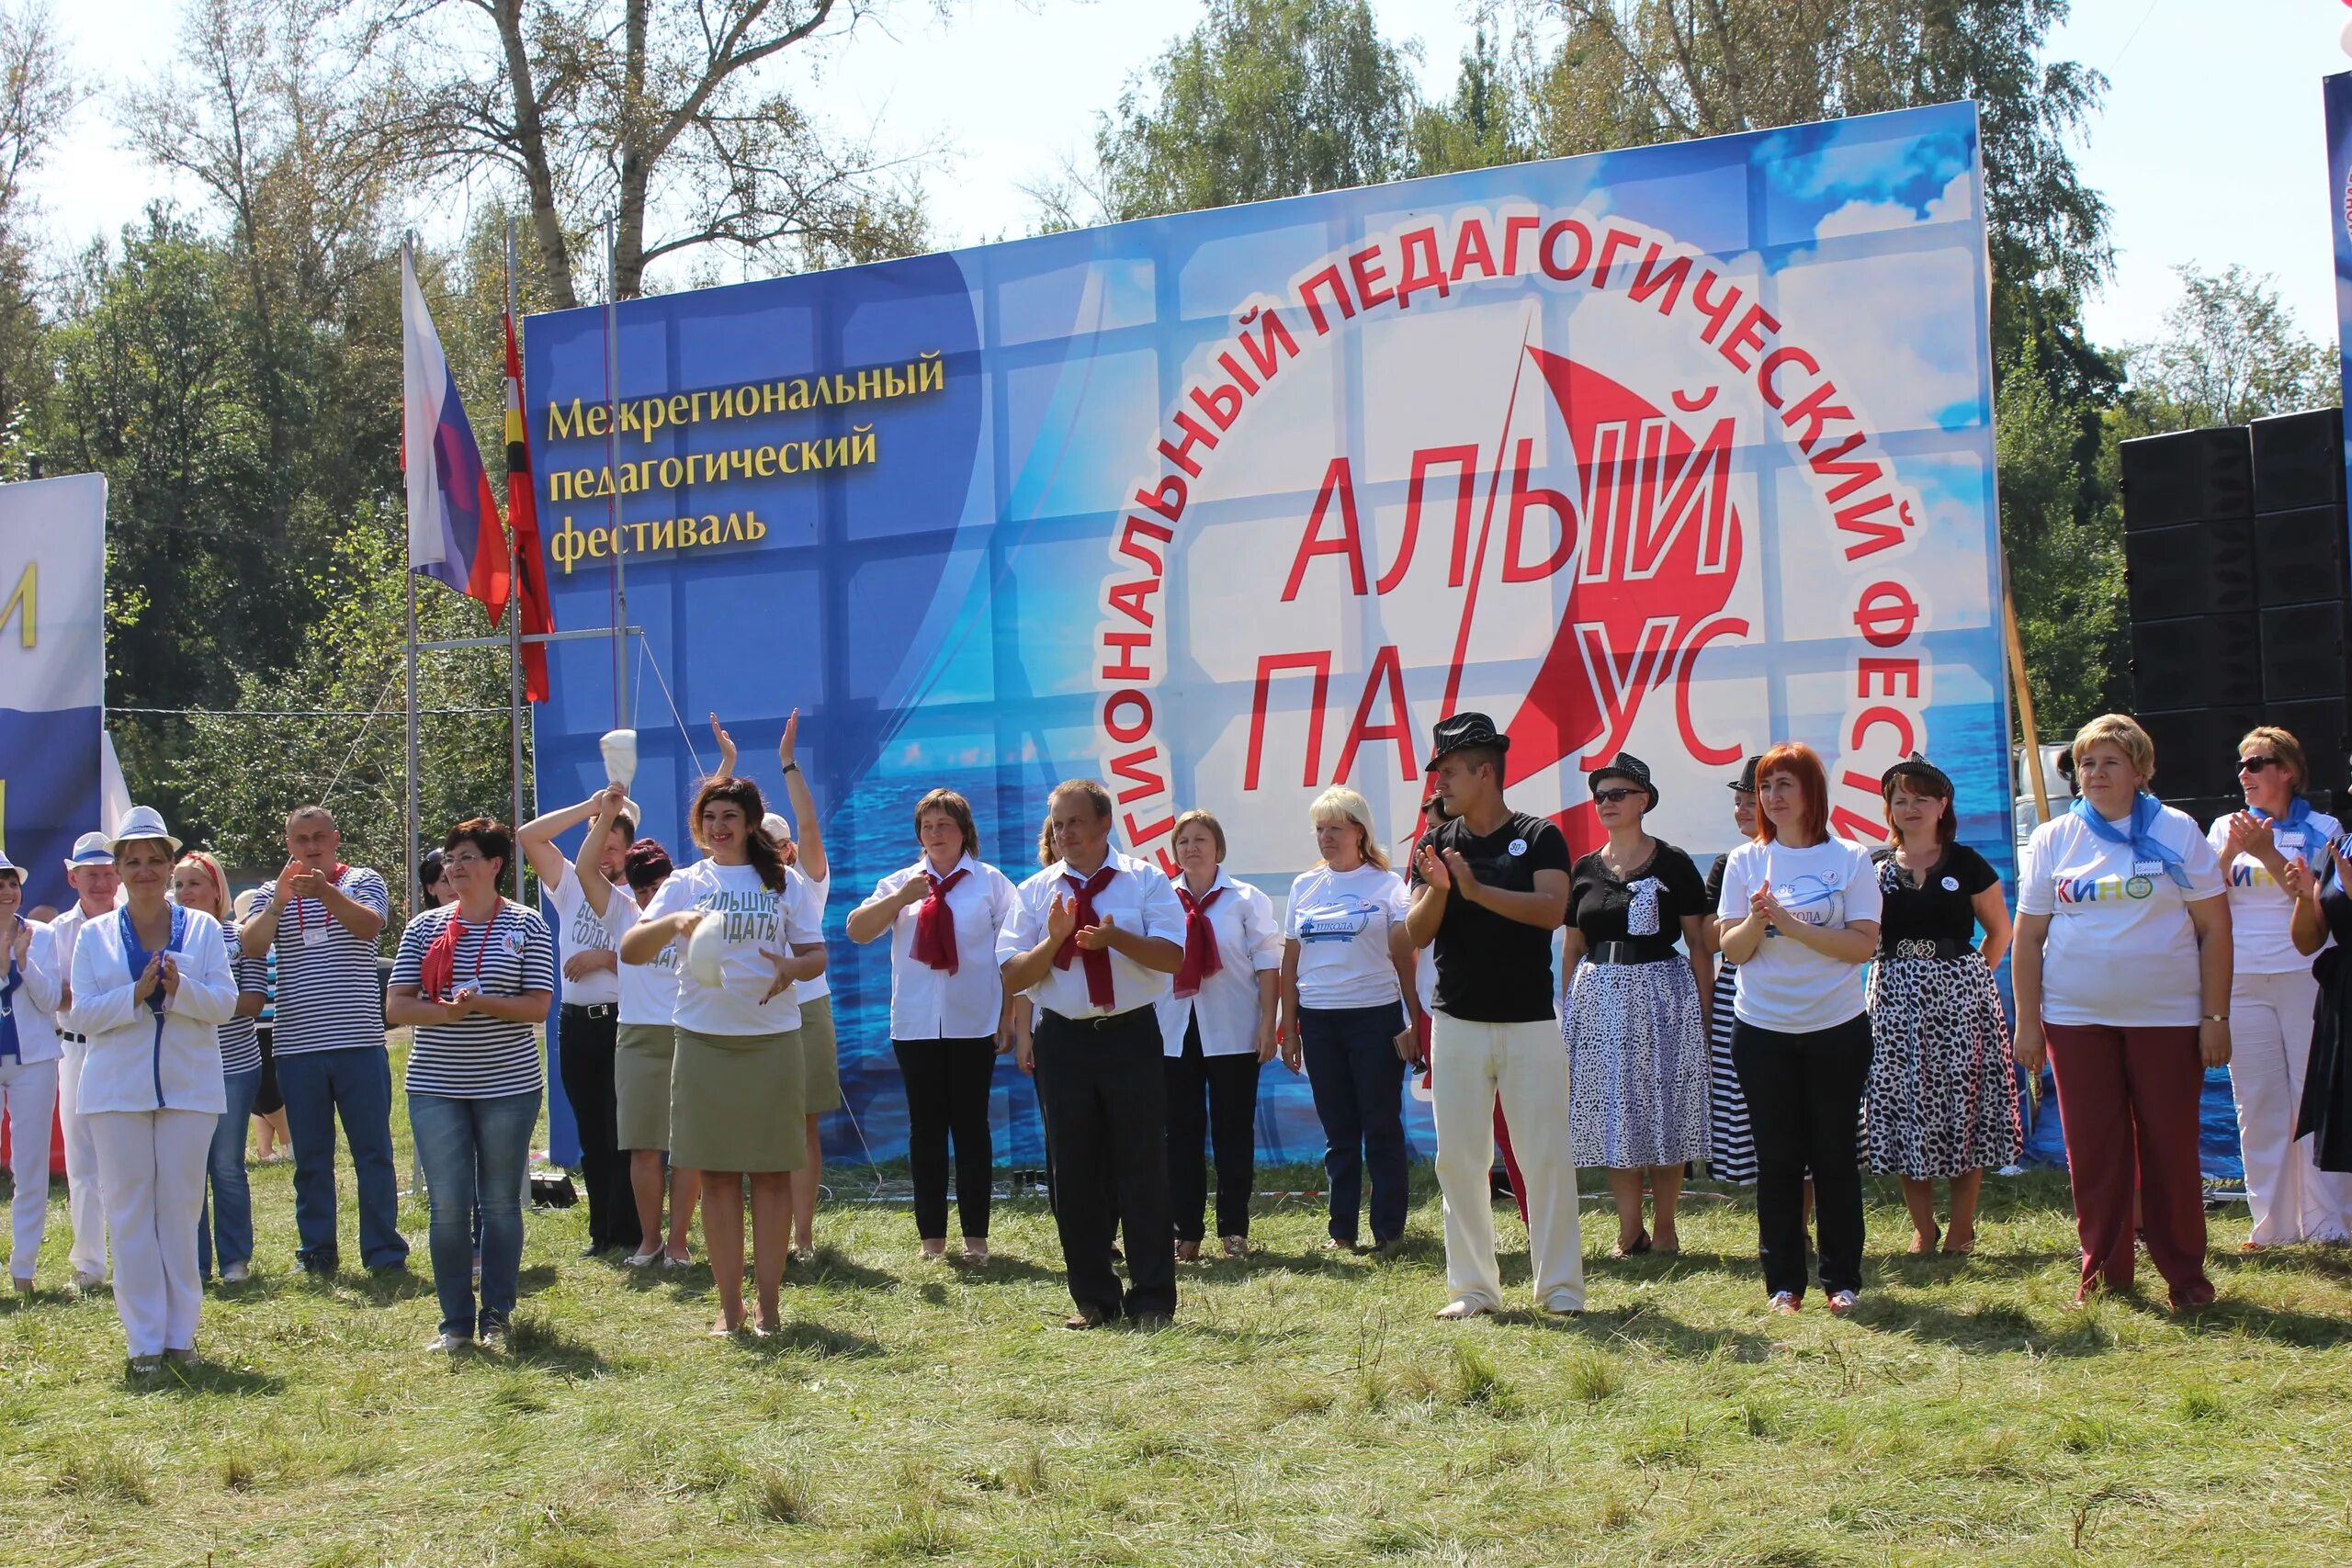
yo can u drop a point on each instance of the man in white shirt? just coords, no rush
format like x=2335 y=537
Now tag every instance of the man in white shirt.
x=90 y=871
x=1094 y=939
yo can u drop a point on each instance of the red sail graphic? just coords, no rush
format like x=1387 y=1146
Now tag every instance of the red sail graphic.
x=1653 y=549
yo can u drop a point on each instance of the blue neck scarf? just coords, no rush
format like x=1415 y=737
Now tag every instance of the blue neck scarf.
x=138 y=956
x=8 y=1044
x=2145 y=810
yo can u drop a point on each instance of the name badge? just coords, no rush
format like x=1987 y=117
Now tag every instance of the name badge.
x=2147 y=868
x=315 y=938
x=2290 y=840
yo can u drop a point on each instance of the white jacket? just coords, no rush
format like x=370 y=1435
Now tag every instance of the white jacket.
x=35 y=1003
x=137 y=1060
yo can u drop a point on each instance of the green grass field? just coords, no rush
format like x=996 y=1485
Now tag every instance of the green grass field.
x=1304 y=1409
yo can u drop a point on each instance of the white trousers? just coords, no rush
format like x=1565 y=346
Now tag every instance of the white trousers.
x=28 y=1099
x=2270 y=1044
x=85 y=1204
x=151 y=1164
x=1470 y=1064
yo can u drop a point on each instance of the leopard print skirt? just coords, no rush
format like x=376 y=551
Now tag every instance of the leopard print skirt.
x=1942 y=1098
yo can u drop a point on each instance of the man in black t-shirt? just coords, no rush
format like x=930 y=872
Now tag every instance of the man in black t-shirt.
x=1490 y=889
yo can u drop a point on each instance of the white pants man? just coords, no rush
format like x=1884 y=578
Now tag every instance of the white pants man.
x=2270 y=1044
x=29 y=1099
x=1527 y=1065
x=84 y=1203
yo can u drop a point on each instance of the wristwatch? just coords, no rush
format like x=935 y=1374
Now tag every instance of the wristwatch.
x=792 y=767
x=2212 y=1018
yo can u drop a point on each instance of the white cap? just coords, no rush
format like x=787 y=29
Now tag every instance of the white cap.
x=7 y=864
x=775 y=827
x=91 y=849
x=142 y=822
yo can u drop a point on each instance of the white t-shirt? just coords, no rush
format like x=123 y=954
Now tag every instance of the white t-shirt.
x=1340 y=921
x=581 y=931
x=758 y=926
x=812 y=891
x=2261 y=915
x=649 y=991
x=2121 y=949
x=1787 y=987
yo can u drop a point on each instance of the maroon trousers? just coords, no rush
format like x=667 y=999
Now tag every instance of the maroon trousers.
x=2128 y=1101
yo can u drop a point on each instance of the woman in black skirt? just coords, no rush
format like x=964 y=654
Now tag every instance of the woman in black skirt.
x=1731 y=1150
x=1942 y=1098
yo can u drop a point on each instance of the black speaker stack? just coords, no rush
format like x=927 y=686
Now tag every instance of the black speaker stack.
x=2234 y=549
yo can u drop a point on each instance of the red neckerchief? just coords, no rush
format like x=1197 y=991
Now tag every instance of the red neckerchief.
x=437 y=970
x=935 y=942
x=1100 y=989
x=1201 y=956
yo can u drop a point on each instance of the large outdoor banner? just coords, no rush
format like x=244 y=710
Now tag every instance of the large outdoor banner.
x=52 y=673
x=1680 y=451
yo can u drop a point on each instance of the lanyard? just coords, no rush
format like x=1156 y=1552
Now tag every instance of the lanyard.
x=301 y=910
x=481 y=949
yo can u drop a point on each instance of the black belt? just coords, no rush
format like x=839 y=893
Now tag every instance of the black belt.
x=68 y=1035
x=591 y=1009
x=1623 y=953
x=1928 y=947
x=1101 y=1020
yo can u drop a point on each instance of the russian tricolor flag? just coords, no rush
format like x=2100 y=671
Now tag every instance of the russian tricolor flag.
x=452 y=529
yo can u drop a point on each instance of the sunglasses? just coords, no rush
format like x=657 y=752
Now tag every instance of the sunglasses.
x=1612 y=796
x=2256 y=764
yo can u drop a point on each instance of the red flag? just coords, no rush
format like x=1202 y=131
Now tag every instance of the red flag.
x=522 y=517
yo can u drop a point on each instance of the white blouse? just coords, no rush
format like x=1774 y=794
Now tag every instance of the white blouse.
x=136 y=1059
x=932 y=1004
x=1248 y=944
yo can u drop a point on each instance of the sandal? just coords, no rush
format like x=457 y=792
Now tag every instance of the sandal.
x=1641 y=1245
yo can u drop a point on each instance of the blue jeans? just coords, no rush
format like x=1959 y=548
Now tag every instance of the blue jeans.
x=229 y=1208
x=474 y=1151
x=1358 y=1081
x=356 y=1083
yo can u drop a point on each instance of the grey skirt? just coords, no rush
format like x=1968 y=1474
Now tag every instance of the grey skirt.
x=641 y=1060
x=736 y=1102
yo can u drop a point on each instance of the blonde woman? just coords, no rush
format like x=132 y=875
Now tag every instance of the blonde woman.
x=1348 y=1004
x=2121 y=969
x=227 y=1224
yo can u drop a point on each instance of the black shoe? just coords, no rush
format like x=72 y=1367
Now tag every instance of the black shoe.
x=1149 y=1322
x=323 y=1264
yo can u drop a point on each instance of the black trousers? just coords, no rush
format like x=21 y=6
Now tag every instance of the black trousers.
x=1804 y=1097
x=947 y=1093
x=1105 y=1096
x=584 y=1056
x=1216 y=1097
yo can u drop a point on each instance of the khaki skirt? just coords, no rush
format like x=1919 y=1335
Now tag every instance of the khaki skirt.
x=735 y=1102
x=641 y=1057
x=820 y=1059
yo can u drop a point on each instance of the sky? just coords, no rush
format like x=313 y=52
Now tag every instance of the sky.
x=2209 y=147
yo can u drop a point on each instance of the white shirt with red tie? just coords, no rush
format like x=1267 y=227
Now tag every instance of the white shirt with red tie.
x=933 y=1004
x=1138 y=899
x=1248 y=944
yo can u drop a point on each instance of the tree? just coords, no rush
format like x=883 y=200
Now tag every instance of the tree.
x=1264 y=98
x=39 y=94
x=2230 y=354
x=663 y=116
x=1481 y=126
x=2065 y=568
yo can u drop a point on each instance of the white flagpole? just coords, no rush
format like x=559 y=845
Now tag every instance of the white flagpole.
x=408 y=574
x=611 y=466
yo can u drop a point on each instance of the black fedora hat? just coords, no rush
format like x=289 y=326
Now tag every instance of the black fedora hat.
x=1462 y=731
x=1745 y=783
x=1915 y=766
x=1628 y=767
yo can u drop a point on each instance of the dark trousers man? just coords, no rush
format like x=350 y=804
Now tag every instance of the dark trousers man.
x=584 y=1057
x=1215 y=1097
x=1804 y=1102
x=1101 y=1086
x=354 y=1084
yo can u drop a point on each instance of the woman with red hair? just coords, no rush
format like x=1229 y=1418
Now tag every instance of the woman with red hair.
x=1798 y=915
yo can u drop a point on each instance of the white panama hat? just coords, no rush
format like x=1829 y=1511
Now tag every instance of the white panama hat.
x=142 y=822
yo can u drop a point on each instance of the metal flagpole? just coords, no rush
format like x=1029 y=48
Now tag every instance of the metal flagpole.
x=408 y=573
x=415 y=882
x=514 y=583
x=611 y=468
